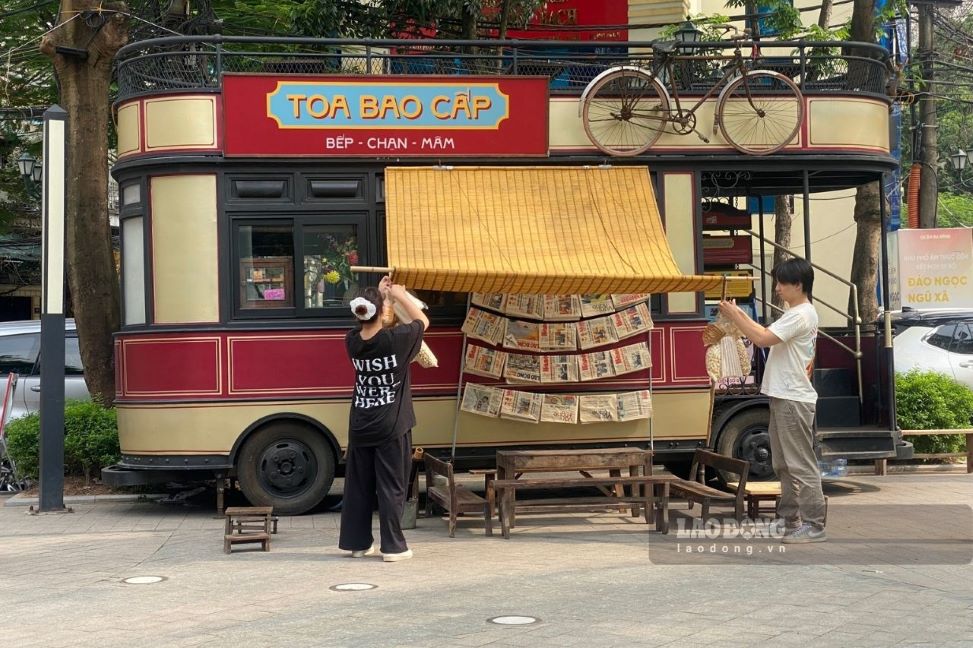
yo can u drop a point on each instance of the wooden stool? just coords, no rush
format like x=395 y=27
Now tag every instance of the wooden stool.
x=248 y=524
x=756 y=493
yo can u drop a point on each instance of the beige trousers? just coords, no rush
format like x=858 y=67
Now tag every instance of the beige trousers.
x=792 y=448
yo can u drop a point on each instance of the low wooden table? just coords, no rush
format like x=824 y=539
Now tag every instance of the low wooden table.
x=757 y=493
x=637 y=463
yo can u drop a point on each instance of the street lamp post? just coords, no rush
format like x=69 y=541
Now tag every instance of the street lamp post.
x=51 y=487
x=959 y=161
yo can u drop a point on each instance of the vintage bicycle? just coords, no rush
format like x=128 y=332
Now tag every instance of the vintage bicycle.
x=627 y=108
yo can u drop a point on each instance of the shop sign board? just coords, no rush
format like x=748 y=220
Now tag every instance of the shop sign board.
x=385 y=116
x=931 y=268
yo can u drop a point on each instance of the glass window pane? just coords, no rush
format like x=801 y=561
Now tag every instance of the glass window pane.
x=131 y=194
x=72 y=357
x=329 y=253
x=963 y=342
x=942 y=337
x=266 y=256
x=18 y=353
x=133 y=270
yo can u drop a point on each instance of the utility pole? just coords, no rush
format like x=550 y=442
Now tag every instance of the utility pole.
x=929 y=156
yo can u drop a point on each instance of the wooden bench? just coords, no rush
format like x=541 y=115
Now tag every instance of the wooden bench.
x=697 y=491
x=642 y=497
x=453 y=498
x=247 y=524
x=881 y=465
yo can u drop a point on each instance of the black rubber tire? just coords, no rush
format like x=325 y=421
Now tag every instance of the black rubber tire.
x=746 y=436
x=286 y=465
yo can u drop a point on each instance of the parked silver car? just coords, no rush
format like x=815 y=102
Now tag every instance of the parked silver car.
x=20 y=345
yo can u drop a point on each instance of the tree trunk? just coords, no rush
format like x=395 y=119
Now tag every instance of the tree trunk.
x=84 y=85
x=824 y=17
x=504 y=19
x=783 y=220
x=864 y=264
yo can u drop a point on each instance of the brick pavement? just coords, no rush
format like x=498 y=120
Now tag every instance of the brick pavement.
x=591 y=579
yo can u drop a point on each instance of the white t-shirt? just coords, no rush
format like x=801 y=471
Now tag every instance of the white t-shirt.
x=789 y=365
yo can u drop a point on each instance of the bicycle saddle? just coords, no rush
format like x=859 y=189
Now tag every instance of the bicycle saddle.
x=664 y=47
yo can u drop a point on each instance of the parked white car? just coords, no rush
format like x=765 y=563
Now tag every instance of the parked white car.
x=20 y=345
x=940 y=342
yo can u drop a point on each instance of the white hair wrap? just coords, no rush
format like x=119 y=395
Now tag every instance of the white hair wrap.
x=369 y=308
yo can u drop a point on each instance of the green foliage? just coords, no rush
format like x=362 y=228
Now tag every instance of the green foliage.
x=90 y=440
x=23 y=436
x=928 y=400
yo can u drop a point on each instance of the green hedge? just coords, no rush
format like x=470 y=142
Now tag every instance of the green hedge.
x=90 y=440
x=928 y=400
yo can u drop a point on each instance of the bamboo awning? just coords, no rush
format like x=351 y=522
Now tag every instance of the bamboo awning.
x=542 y=230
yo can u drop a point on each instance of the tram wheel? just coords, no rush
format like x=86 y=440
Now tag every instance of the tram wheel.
x=746 y=436
x=285 y=465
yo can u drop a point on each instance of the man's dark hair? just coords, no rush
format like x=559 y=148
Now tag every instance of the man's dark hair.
x=796 y=271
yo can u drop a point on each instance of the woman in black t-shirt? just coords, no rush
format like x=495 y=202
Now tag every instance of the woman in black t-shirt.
x=379 y=454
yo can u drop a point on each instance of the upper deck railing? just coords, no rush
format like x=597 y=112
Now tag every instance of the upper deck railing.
x=198 y=63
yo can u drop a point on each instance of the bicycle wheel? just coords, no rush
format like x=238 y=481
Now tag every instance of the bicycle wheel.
x=625 y=111
x=760 y=112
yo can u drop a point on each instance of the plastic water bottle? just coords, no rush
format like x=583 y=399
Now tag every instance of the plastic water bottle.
x=840 y=468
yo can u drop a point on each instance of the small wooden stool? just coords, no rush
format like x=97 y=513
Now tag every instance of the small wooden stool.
x=248 y=524
x=757 y=493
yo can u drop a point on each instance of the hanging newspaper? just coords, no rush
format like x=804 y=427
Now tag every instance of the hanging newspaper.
x=562 y=308
x=522 y=335
x=482 y=361
x=558 y=408
x=493 y=301
x=594 y=305
x=621 y=301
x=594 y=366
x=632 y=321
x=521 y=367
x=598 y=408
x=480 y=399
x=481 y=325
x=558 y=337
x=635 y=405
x=596 y=332
x=559 y=368
x=531 y=306
x=521 y=406
x=634 y=357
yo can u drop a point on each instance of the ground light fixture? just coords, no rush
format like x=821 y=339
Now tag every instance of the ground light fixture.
x=352 y=587
x=143 y=580
x=514 y=620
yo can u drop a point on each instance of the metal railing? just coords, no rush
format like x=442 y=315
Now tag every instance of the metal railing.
x=198 y=63
x=854 y=316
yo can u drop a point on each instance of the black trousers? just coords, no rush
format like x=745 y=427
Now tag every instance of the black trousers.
x=376 y=473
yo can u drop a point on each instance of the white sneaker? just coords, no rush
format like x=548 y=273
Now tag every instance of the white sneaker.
x=361 y=553
x=390 y=557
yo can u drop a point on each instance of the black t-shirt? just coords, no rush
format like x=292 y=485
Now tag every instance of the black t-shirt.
x=381 y=405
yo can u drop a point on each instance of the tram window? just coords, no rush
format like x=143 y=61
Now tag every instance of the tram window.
x=266 y=256
x=329 y=253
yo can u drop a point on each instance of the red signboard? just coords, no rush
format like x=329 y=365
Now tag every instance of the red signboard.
x=385 y=116
x=563 y=20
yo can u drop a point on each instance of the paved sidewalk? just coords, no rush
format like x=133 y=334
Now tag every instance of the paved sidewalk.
x=590 y=579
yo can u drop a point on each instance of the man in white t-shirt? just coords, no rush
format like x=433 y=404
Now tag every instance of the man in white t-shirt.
x=787 y=381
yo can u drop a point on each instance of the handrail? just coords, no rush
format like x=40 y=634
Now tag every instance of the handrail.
x=184 y=63
x=855 y=316
x=817 y=300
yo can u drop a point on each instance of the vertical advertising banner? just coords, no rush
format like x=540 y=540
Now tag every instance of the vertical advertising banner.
x=934 y=268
